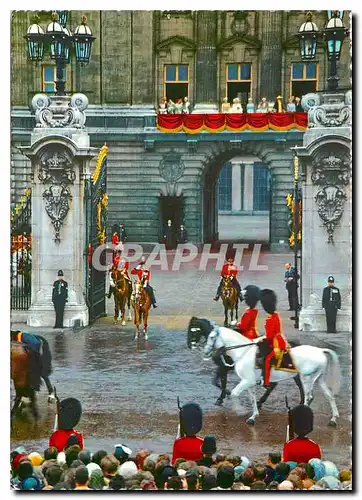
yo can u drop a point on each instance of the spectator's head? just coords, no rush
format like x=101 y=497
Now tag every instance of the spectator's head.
x=128 y=469
x=96 y=480
x=285 y=485
x=287 y=266
x=259 y=472
x=71 y=454
x=295 y=479
x=345 y=475
x=122 y=452
x=16 y=459
x=178 y=462
x=307 y=484
x=25 y=470
x=207 y=482
x=281 y=471
x=36 y=459
x=318 y=467
x=50 y=453
x=330 y=468
x=330 y=483
x=173 y=483
x=61 y=460
x=117 y=483
x=76 y=463
x=98 y=455
x=274 y=459
x=140 y=458
x=109 y=465
x=208 y=447
x=85 y=456
x=68 y=476
x=247 y=477
x=234 y=459
x=53 y=475
x=220 y=457
x=148 y=484
x=31 y=483
x=300 y=472
x=91 y=467
x=225 y=477
x=273 y=485
x=193 y=480
x=81 y=475
x=258 y=485
x=62 y=486
x=72 y=441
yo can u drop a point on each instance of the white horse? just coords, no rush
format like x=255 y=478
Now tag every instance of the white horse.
x=313 y=365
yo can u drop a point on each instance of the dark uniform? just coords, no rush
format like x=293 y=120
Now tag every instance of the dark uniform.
x=182 y=235
x=59 y=298
x=331 y=302
x=122 y=233
x=168 y=236
x=292 y=288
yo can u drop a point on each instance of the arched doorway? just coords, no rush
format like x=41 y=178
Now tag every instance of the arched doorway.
x=237 y=200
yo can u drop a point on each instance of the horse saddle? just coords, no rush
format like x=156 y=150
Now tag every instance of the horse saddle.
x=284 y=362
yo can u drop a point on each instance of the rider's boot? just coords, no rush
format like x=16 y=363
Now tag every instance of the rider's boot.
x=109 y=294
x=216 y=298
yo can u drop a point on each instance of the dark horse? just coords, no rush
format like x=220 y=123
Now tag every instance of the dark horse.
x=27 y=370
x=201 y=328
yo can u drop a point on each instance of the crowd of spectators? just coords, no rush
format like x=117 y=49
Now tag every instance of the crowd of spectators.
x=79 y=469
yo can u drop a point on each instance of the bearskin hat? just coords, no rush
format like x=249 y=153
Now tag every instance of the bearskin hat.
x=70 y=411
x=251 y=295
x=191 y=417
x=268 y=300
x=302 y=417
x=230 y=254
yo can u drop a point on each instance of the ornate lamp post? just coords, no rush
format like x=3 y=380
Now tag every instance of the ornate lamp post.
x=334 y=34
x=59 y=40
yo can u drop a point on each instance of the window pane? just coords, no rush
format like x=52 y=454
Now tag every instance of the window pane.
x=171 y=72
x=183 y=73
x=232 y=71
x=49 y=74
x=245 y=72
x=297 y=71
x=311 y=72
x=261 y=187
x=225 y=188
x=49 y=87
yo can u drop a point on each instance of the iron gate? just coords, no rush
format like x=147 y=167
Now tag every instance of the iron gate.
x=20 y=254
x=96 y=201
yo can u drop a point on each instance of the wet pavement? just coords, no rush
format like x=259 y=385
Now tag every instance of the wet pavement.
x=129 y=389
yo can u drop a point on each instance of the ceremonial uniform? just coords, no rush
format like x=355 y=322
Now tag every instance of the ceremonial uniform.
x=59 y=298
x=301 y=449
x=69 y=413
x=115 y=239
x=188 y=446
x=144 y=277
x=247 y=324
x=229 y=269
x=291 y=284
x=331 y=302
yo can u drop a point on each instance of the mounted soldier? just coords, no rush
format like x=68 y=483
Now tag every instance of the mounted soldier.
x=247 y=323
x=230 y=270
x=144 y=276
x=275 y=343
x=188 y=444
x=121 y=264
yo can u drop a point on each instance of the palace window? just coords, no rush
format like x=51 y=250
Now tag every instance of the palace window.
x=304 y=78
x=49 y=77
x=261 y=187
x=238 y=82
x=225 y=188
x=176 y=81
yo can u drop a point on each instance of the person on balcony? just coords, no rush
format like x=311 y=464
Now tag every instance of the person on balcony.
x=225 y=106
x=236 y=107
x=262 y=106
x=186 y=106
x=250 y=107
x=291 y=108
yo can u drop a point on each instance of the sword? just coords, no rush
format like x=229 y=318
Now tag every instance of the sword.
x=180 y=432
x=56 y=418
x=290 y=430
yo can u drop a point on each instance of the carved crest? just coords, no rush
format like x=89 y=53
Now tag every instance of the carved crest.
x=57 y=199
x=56 y=167
x=331 y=170
x=240 y=25
x=330 y=201
x=171 y=169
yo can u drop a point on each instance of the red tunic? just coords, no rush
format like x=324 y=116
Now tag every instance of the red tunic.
x=60 y=437
x=273 y=332
x=142 y=274
x=229 y=270
x=115 y=239
x=301 y=450
x=188 y=447
x=247 y=324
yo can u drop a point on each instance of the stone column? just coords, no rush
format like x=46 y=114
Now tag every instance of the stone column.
x=270 y=54
x=236 y=187
x=206 y=63
x=60 y=155
x=327 y=210
x=248 y=187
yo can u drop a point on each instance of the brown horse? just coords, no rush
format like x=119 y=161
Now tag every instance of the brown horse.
x=26 y=379
x=230 y=299
x=141 y=303
x=120 y=293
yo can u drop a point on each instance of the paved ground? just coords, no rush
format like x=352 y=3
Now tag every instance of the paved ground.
x=129 y=389
x=244 y=227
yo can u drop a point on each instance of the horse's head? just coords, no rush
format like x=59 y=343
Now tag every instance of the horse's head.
x=214 y=342
x=197 y=329
x=137 y=291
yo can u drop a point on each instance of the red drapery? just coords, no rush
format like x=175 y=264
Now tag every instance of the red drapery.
x=234 y=122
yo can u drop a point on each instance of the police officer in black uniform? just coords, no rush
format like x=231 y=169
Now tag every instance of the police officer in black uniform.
x=59 y=298
x=331 y=302
x=122 y=233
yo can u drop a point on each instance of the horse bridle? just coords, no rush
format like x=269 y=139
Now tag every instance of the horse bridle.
x=228 y=348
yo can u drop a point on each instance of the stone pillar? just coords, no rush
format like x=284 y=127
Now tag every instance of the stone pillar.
x=206 y=63
x=60 y=155
x=270 y=54
x=248 y=187
x=236 y=187
x=327 y=210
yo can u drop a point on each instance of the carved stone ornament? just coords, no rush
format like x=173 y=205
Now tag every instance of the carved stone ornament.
x=171 y=169
x=334 y=111
x=330 y=201
x=57 y=198
x=240 y=25
x=56 y=167
x=331 y=170
x=60 y=111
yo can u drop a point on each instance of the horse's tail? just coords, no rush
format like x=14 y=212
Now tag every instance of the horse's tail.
x=46 y=357
x=334 y=372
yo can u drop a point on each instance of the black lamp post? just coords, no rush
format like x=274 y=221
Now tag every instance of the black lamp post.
x=297 y=231
x=59 y=40
x=334 y=34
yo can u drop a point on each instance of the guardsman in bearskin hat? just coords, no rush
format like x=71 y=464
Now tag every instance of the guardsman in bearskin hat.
x=273 y=332
x=188 y=446
x=59 y=298
x=115 y=238
x=144 y=277
x=69 y=413
x=301 y=449
x=247 y=323
x=229 y=269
